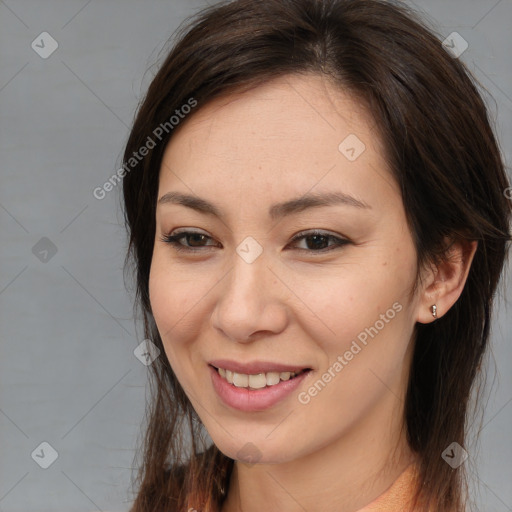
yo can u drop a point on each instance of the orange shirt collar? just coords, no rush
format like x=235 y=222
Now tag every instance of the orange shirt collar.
x=398 y=496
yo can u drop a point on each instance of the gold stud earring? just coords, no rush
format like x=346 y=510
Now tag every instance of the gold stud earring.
x=433 y=308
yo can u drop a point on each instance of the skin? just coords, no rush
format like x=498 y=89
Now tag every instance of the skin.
x=345 y=447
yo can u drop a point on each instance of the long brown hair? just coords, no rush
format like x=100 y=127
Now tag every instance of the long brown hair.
x=442 y=152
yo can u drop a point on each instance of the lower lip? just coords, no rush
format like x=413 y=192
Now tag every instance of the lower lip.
x=248 y=400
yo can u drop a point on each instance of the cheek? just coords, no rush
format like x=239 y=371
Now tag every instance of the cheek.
x=169 y=304
x=162 y=294
x=362 y=321
x=353 y=296
x=170 y=300
x=364 y=349
x=168 y=293
x=177 y=298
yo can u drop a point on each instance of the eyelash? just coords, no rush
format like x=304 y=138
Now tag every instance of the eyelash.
x=174 y=240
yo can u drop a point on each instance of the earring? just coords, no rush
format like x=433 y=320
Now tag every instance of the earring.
x=433 y=308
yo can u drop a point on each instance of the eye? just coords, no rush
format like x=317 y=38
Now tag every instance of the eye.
x=194 y=237
x=316 y=241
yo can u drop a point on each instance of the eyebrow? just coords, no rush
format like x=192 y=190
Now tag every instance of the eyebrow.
x=276 y=211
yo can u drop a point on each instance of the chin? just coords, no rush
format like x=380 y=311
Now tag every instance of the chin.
x=258 y=452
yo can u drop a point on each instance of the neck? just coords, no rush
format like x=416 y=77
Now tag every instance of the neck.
x=345 y=475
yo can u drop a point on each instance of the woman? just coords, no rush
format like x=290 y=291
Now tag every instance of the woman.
x=318 y=223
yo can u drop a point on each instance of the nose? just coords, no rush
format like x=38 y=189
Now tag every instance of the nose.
x=251 y=302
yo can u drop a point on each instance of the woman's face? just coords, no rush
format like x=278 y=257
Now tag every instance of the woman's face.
x=242 y=290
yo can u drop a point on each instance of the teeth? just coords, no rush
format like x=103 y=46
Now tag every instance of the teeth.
x=259 y=381
x=272 y=378
x=240 y=380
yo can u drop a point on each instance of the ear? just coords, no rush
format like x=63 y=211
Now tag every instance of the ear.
x=444 y=283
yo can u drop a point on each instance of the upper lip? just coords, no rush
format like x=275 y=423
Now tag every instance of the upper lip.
x=255 y=367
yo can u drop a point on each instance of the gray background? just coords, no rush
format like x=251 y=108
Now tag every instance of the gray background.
x=68 y=373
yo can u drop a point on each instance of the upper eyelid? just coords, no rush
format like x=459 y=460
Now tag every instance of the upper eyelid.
x=310 y=231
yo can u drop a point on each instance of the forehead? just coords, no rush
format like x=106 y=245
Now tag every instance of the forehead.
x=291 y=108
x=296 y=132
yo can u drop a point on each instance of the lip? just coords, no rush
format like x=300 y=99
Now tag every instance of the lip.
x=255 y=367
x=248 y=400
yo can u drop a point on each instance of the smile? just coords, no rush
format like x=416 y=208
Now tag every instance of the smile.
x=255 y=392
x=258 y=381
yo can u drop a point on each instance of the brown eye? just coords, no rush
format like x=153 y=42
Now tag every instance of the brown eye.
x=194 y=240
x=318 y=241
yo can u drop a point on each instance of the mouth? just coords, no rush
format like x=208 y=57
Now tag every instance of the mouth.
x=253 y=392
x=256 y=381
